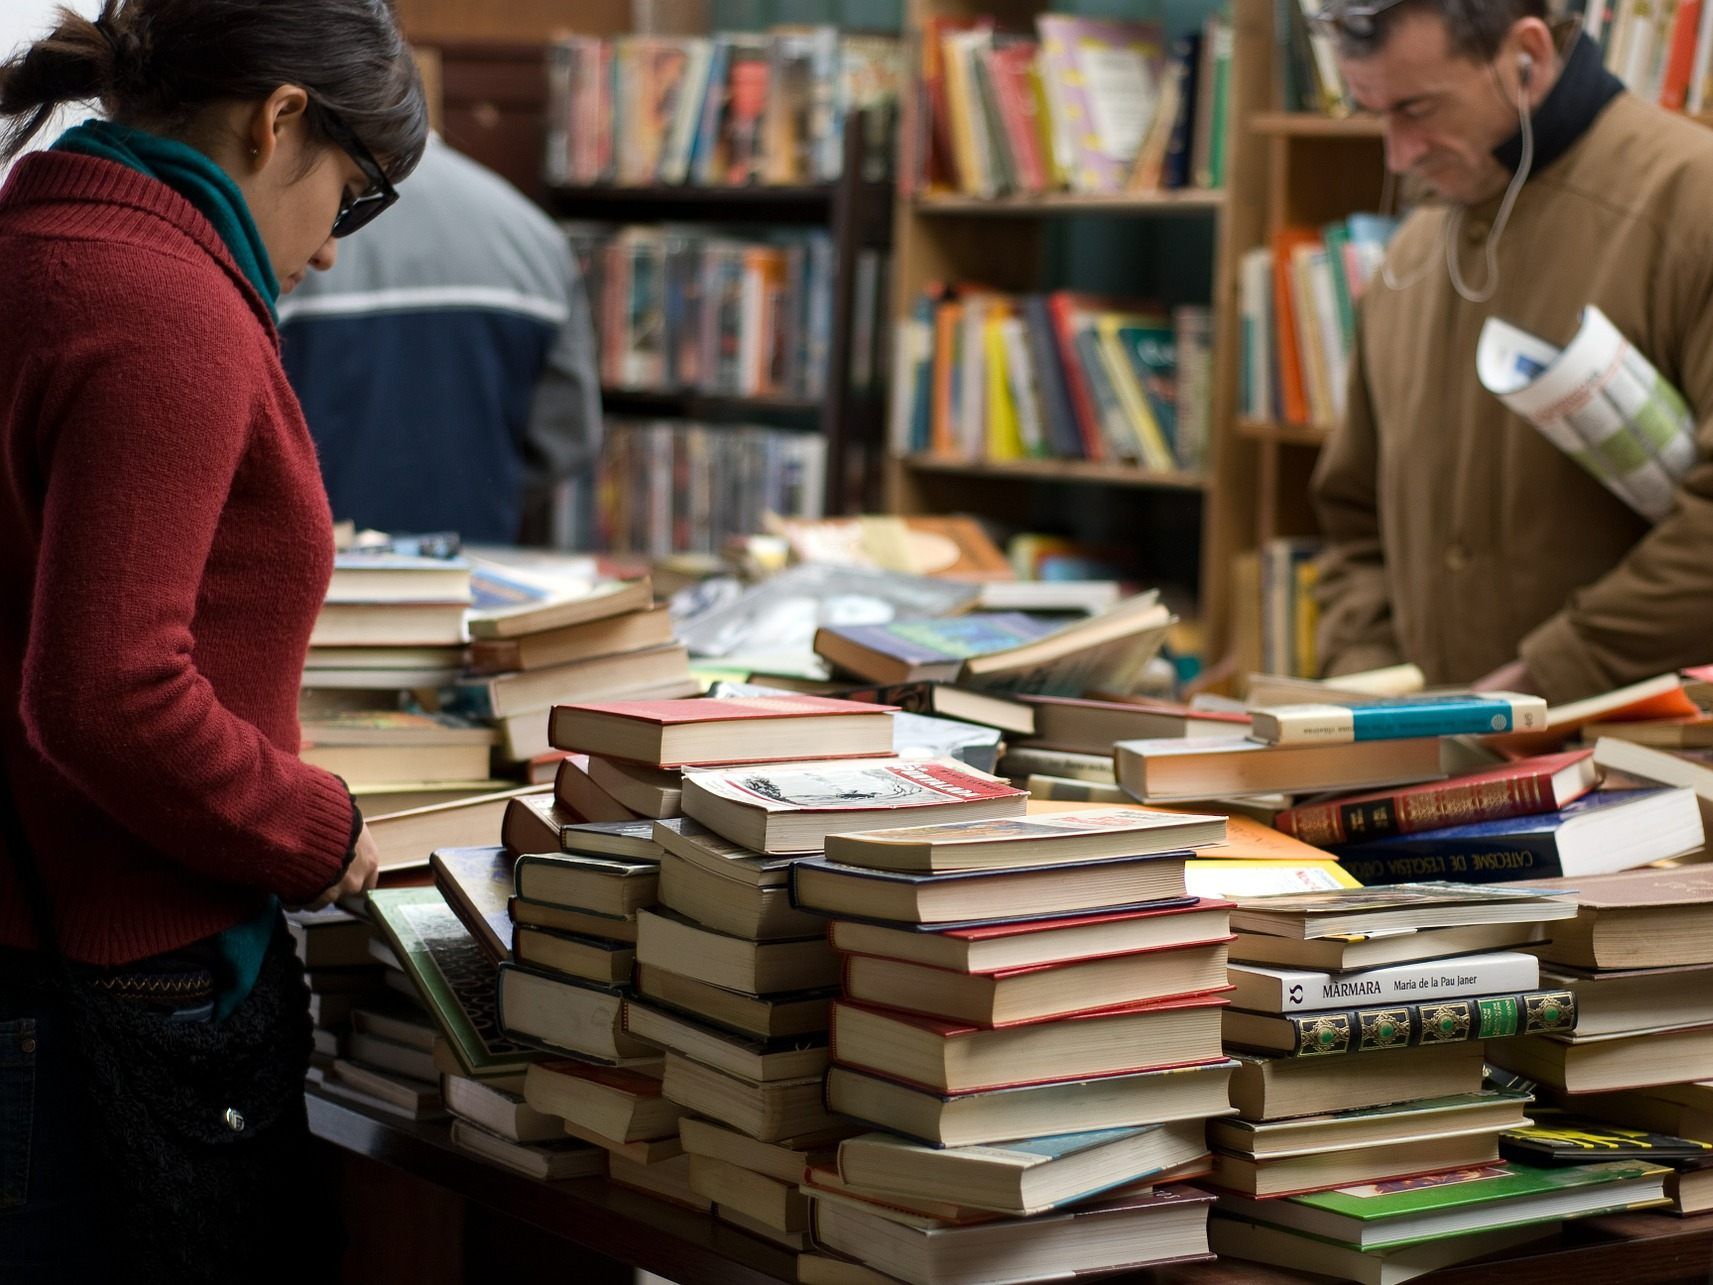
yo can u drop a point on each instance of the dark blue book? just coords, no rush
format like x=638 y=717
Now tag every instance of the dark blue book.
x=1599 y=833
x=1064 y=439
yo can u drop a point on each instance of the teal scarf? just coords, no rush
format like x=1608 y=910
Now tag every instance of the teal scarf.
x=193 y=176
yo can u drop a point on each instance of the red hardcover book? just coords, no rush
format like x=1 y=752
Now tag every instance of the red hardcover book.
x=1524 y=788
x=1009 y=68
x=575 y=789
x=1062 y=307
x=1680 y=56
x=702 y=731
x=1039 y=992
x=956 y=1057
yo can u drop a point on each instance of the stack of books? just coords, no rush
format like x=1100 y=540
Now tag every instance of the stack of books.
x=1360 y=1018
x=546 y=647
x=1073 y=738
x=1535 y=817
x=333 y=945
x=1029 y=1019
x=1638 y=956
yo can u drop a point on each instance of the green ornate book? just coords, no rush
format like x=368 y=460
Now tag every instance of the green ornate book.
x=452 y=974
x=1391 y=1026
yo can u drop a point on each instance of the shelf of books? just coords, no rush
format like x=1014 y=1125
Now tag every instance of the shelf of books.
x=728 y=199
x=1014 y=395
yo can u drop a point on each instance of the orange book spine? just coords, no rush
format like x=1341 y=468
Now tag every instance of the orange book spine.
x=1680 y=57
x=1293 y=392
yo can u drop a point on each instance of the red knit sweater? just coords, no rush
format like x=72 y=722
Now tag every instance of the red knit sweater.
x=165 y=543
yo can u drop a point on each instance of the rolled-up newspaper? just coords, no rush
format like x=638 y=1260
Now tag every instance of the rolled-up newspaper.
x=1599 y=401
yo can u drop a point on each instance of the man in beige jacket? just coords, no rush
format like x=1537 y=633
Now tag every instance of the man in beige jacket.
x=1459 y=537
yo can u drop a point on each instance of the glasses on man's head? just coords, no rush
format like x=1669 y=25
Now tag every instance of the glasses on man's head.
x=1357 y=19
x=358 y=212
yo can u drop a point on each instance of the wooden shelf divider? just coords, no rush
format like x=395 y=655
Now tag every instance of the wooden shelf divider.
x=1095 y=472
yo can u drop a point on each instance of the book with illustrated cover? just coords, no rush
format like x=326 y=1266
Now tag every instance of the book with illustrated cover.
x=477 y=885
x=511 y=604
x=911 y=651
x=1523 y=788
x=452 y=975
x=1367 y=1030
x=787 y=808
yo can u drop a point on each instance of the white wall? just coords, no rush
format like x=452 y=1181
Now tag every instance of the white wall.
x=24 y=20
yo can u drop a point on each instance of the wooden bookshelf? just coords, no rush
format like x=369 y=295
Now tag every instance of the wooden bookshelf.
x=1004 y=243
x=1093 y=472
x=857 y=213
x=1257 y=430
x=1312 y=125
x=1186 y=201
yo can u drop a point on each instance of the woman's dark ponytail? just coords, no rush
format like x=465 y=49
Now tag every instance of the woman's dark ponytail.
x=157 y=63
x=76 y=62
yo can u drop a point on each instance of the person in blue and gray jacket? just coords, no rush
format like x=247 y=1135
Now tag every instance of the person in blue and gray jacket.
x=447 y=363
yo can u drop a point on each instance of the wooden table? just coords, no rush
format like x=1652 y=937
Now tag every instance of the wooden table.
x=695 y=1249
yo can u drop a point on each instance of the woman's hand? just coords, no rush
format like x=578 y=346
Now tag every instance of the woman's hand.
x=360 y=876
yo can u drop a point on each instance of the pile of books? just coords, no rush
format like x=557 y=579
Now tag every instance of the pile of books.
x=1391 y=811
x=1078 y=104
x=1029 y=1016
x=1637 y=956
x=392 y=626
x=984 y=375
x=736 y=109
x=1297 y=297
x=713 y=310
x=1360 y=1017
x=546 y=646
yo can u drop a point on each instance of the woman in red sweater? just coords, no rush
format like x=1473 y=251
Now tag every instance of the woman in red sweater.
x=165 y=544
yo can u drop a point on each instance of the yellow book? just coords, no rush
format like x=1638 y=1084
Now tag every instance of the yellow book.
x=960 y=105
x=1156 y=452
x=1043 y=118
x=1307 y=618
x=1233 y=878
x=1004 y=436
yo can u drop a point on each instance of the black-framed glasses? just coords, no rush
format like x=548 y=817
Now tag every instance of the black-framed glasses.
x=1358 y=20
x=361 y=211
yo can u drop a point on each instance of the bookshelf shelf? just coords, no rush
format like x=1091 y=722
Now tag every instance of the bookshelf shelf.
x=809 y=204
x=1187 y=201
x=1284 y=434
x=691 y=404
x=1311 y=125
x=1088 y=471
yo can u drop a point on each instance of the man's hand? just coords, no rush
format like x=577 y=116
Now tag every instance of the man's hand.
x=360 y=876
x=1512 y=677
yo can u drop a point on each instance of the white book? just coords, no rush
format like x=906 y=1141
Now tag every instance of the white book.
x=1020 y=373
x=1299 y=990
x=687 y=114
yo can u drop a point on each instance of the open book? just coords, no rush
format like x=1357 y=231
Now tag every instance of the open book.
x=1599 y=401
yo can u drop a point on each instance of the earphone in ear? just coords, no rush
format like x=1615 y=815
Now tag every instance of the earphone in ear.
x=1525 y=69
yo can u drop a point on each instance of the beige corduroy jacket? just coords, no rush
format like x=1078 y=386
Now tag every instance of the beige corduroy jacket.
x=1460 y=537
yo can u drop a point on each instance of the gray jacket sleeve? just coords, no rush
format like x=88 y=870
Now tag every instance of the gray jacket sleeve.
x=563 y=435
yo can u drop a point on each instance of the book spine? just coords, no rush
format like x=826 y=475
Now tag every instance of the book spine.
x=1432 y=807
x=1307 y=991
x=1337 y=724
x=1465 y=860
x=1456 y=1021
